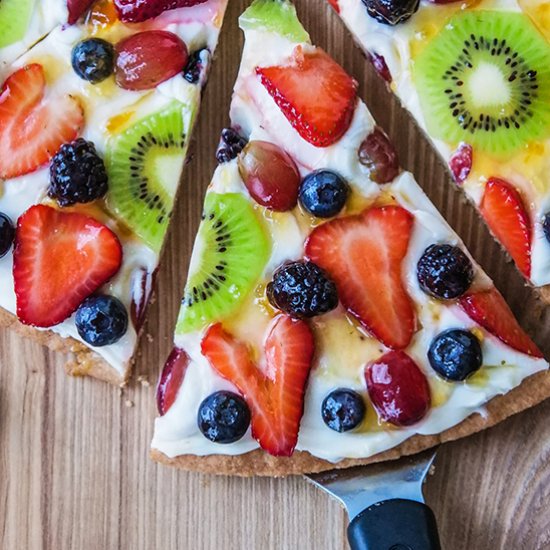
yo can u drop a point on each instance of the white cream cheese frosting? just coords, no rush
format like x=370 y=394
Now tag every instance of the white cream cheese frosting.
x=342 y=350
x=199 y=27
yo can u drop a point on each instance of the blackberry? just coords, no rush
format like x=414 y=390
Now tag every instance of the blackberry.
x=101 y=320
x=323 y=193
x=231 y=144
x=391 y=12
x=343 y=410
x=194 y=71
x=444 y=271
x=7 y=234
x=77 y=174
x=302 y=289
x=223 y=417
x=93 y=59
x=455 y=354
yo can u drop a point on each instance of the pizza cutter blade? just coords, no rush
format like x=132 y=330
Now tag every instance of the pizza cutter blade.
x=385 y=503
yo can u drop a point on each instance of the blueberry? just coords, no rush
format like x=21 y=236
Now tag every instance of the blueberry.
x=101 y=320
x=198 y=61
x=231 y=144
x=546 y=226
x=93 y=59
x=77 y=174
x=391 y=12
x=343 y=410
x=223 y=417
x=323 y=193
x=455 y=354
x=302 y=289
x=444 y=271
x=7 y=234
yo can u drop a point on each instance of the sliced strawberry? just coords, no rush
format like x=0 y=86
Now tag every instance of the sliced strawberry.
x=60 y=258
x=134 y=11
x=489 y=310
x=76 y=9
x=32 y=128
x=364 y=255
x=503 y=209
x=314 y=93
x=335 y=6
x=276 y=398
x=171 y=378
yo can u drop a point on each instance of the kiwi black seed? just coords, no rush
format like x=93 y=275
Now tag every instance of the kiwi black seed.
x=485 y=80
x=230 y=254
x=144 y=164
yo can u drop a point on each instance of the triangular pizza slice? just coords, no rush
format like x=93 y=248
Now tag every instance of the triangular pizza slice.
x=476 y=77
x=95 y=122
x=331 y=316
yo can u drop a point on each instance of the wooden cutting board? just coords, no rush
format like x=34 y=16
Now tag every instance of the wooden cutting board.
x=74 y=471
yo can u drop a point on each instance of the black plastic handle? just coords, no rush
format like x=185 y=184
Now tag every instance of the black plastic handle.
x=395 y=524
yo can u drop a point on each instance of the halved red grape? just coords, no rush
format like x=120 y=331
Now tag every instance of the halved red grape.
x=170 y=379
x=147 y=58
x=460 y=162
x=270 y=175
x=379 y=64
x=380 y=157
x=398 y=389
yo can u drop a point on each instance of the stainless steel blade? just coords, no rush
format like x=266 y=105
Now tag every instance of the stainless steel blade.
x=360 y=487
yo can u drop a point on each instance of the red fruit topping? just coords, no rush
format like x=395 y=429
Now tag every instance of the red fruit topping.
x=142 y=284
x=276 y=398
x=379 y=64
x=314 y=93
x=170 y=379
x=460 y=162
x=398 y=389
x=270 y=175
x=489 y=310
x=60 y=258
x=134 y=11
x=147 y=58
x=32 y=128
x=505 y=214
x=77 y=8
x=363 y=255
x=335 y=6
x=380 y=157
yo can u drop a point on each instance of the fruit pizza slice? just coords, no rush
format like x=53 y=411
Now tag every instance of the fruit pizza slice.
x=331 y=317
x=95 y=121
x=475 y=76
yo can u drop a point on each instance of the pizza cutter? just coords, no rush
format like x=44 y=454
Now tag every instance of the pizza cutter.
x=385 y=503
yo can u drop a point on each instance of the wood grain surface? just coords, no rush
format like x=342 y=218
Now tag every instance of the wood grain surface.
x=74 y=472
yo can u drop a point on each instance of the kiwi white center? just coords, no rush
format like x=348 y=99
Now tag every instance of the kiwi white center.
x=487 y=86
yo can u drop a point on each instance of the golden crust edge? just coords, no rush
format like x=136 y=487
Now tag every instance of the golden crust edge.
x=532 y=391
x=84 y=361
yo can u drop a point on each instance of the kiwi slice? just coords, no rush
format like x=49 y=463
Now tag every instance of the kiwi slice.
x=144 y=164
x=14 y=20
x=230 y=254
x=278 y=16
x=485 y=79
